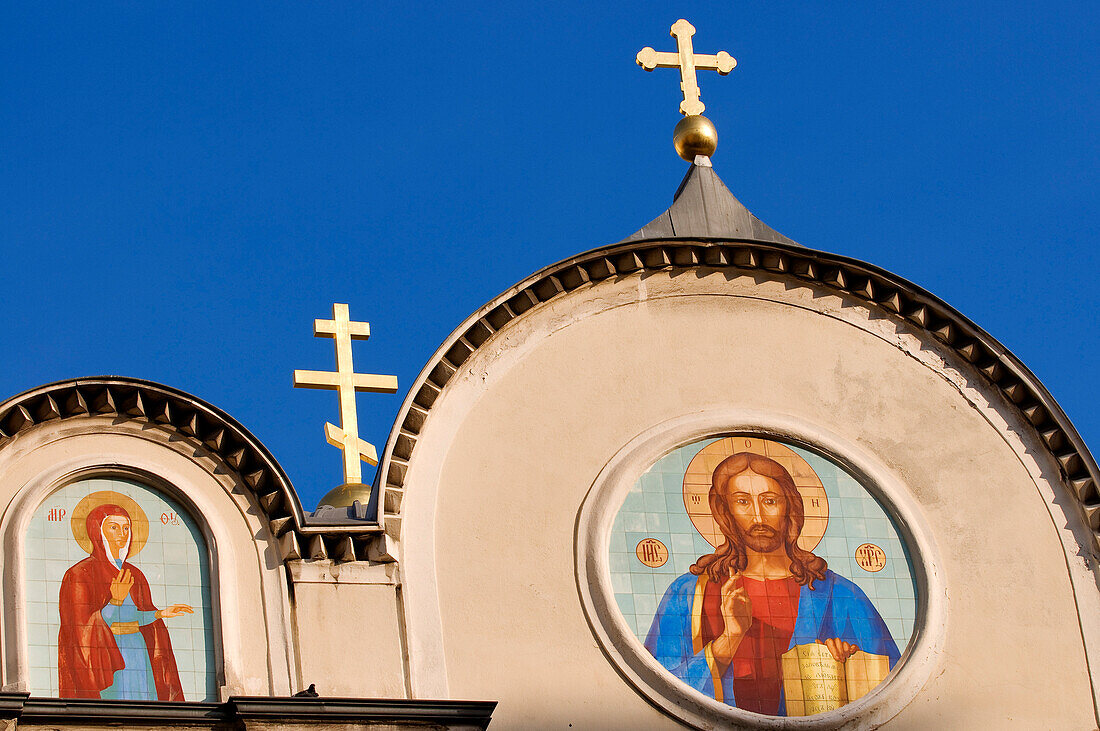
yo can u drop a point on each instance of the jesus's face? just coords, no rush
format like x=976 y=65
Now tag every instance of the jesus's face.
x=759 y=509
x=116 y=529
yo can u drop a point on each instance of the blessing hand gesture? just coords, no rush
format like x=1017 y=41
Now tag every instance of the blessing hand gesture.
x=736 y=607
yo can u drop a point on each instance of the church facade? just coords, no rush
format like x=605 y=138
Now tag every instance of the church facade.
x=574 y=517
x=701 y=478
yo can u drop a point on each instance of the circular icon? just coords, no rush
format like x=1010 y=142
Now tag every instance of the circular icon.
x=651 y=552
x=870 y=557
x=698 y=474
x=139 y=524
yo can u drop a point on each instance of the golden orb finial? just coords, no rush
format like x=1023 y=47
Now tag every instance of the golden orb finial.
x=344 y=496
x=695 y=135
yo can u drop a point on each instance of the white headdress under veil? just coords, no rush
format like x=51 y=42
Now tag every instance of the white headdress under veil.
x=107 y=546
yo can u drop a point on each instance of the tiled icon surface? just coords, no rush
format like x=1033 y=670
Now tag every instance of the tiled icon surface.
x=867 y=595
x=166 y=548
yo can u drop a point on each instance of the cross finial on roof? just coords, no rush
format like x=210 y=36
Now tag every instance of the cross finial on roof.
x=345 y=381
x=687 y=61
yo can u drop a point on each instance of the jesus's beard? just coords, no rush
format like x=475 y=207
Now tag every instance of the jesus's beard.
x=763 y=539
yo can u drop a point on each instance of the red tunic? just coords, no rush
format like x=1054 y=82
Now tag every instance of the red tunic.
x=757 y=681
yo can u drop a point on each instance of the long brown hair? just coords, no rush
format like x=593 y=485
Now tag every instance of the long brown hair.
x=731 y=556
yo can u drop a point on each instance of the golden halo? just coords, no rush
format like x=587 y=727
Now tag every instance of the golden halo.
x=698 y=474
x=139 y=524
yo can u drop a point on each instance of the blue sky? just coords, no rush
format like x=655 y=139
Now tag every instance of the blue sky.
x=184 y=188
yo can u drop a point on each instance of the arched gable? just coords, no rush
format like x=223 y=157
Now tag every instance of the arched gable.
x=175 y=446
x=212 y=434
x=886 y=294
x=468 y=471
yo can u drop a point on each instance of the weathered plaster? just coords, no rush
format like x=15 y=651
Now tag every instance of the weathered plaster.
x=520 y=432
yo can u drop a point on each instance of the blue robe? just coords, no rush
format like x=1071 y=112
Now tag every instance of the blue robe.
x=135 y=680
x=835 y=608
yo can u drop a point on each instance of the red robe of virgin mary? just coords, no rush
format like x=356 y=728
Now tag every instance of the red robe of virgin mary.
x=87 y=655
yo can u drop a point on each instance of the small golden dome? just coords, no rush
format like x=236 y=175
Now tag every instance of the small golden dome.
x=695 y=135
x=343 y=496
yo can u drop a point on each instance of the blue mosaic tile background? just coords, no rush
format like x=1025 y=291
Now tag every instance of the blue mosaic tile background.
x=654 y=508
x=173 y=560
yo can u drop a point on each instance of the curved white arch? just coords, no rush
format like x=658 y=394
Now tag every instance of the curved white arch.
x=254 y=657
x=428 y=667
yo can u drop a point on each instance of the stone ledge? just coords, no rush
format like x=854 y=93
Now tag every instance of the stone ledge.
x=246 y=712
x=333 y=572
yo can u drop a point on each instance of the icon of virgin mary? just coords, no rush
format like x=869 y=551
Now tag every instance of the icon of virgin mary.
x=113 y=642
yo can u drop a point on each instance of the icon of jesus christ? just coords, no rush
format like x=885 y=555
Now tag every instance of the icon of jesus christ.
x=724 y=627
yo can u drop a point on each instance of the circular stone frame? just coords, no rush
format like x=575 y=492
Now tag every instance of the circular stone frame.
x=649 y=677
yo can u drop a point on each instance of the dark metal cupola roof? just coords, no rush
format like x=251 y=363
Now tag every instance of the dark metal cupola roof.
x=704 y=208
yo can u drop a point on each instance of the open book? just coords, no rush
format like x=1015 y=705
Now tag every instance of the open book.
x=814 y=682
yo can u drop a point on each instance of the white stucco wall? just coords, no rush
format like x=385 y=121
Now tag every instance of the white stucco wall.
x=347 y=627
x=519 y=435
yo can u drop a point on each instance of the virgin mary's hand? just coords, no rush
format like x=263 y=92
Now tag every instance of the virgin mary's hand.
x=121 y=585
x=174 y=611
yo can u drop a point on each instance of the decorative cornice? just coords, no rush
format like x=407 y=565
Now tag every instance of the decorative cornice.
x=467 y=714
x=211 y=432
x=891 y=295
x=78 y=713
x=223 y=438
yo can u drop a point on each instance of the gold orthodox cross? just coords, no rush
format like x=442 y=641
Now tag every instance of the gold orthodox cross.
x=346 y=382
x=687 y=61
